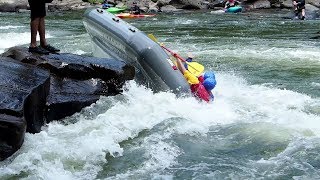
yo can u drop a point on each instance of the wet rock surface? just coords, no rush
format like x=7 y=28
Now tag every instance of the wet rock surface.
x=24 y=89
x=38 y=89
x=68 y=96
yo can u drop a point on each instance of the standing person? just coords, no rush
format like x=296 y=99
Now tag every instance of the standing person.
x=200 y=86
x=37 y=24
x=135 y=9
x=231 y=3
x=299 y=7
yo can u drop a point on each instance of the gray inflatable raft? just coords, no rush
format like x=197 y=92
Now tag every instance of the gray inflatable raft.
x=116 y=38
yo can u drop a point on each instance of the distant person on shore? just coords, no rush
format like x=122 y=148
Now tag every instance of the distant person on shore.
x=106 y=5
x=37 y=24
x=200 y=86
x=135 y=9
x=299 y=7
x=231 y=3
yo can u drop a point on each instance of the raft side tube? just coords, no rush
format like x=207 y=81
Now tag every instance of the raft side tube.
x=120 y=40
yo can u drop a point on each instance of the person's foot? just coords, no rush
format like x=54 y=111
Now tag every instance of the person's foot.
x=51 y=48
x=303 y=18
x=38 y=50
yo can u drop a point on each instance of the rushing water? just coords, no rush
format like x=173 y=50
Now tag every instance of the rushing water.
x=264 y=123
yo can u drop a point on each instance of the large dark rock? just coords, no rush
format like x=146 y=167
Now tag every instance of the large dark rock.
x=29 y=96
x=84 y=67
x=68 y=96
x=77 y=81
x=24 y=91
x=23 y=94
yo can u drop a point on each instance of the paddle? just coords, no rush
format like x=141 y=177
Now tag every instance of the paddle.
x=196 y=68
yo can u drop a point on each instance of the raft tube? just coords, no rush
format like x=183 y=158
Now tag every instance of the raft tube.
x=234 y=9
x=113 y=37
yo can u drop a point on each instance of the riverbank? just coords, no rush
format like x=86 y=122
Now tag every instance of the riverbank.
x=155 y=6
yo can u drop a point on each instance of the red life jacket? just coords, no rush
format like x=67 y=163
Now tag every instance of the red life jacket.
x=200 y=92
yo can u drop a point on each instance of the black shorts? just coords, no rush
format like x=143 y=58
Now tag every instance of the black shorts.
x=38 y=8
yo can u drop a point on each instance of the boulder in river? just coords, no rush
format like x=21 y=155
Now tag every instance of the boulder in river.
x=24 y=89
x=38 y=89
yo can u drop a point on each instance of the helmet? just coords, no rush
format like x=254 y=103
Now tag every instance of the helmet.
x=209 y=83
x=209 y=74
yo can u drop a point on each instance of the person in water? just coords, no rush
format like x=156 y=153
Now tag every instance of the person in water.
x=231 y=3
x=200 y=86
x=37 y=24
x=135 y=9
x=299 y=7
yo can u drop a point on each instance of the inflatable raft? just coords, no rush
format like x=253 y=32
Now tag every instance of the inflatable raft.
x=113 y=37
x=128 y=15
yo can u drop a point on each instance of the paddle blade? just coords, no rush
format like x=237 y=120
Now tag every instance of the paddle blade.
x=195 y=68
x=153 y=38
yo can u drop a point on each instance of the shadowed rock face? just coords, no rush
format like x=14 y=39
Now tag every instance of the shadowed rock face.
x=36 y=88
x=23 y=94
x=82 y=68
x=68 y=96
x=76 y=81
x=113 y=72
x=25 y=89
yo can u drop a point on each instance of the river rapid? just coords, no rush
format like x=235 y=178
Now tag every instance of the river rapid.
x=263 y=124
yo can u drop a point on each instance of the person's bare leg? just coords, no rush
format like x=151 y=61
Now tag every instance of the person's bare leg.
x=34 y=26
x=303 y=13
x=42 y=32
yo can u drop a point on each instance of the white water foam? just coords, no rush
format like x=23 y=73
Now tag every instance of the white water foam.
x=291 y=158
x=8 y=40
x=11 y=27
x=315 y=84
x=253 y=52
x=78 y=151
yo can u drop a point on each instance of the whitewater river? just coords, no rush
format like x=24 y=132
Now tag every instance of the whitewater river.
x=263 y=124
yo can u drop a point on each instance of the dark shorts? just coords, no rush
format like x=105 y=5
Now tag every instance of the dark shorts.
x=38 y=8
x=299 y=9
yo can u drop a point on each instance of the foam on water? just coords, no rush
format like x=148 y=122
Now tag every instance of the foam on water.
x=8 y=40
x=315 y=84
x=78 y=151
x=292 y=160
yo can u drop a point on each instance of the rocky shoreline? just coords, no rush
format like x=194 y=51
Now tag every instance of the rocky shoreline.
x=154 y=6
